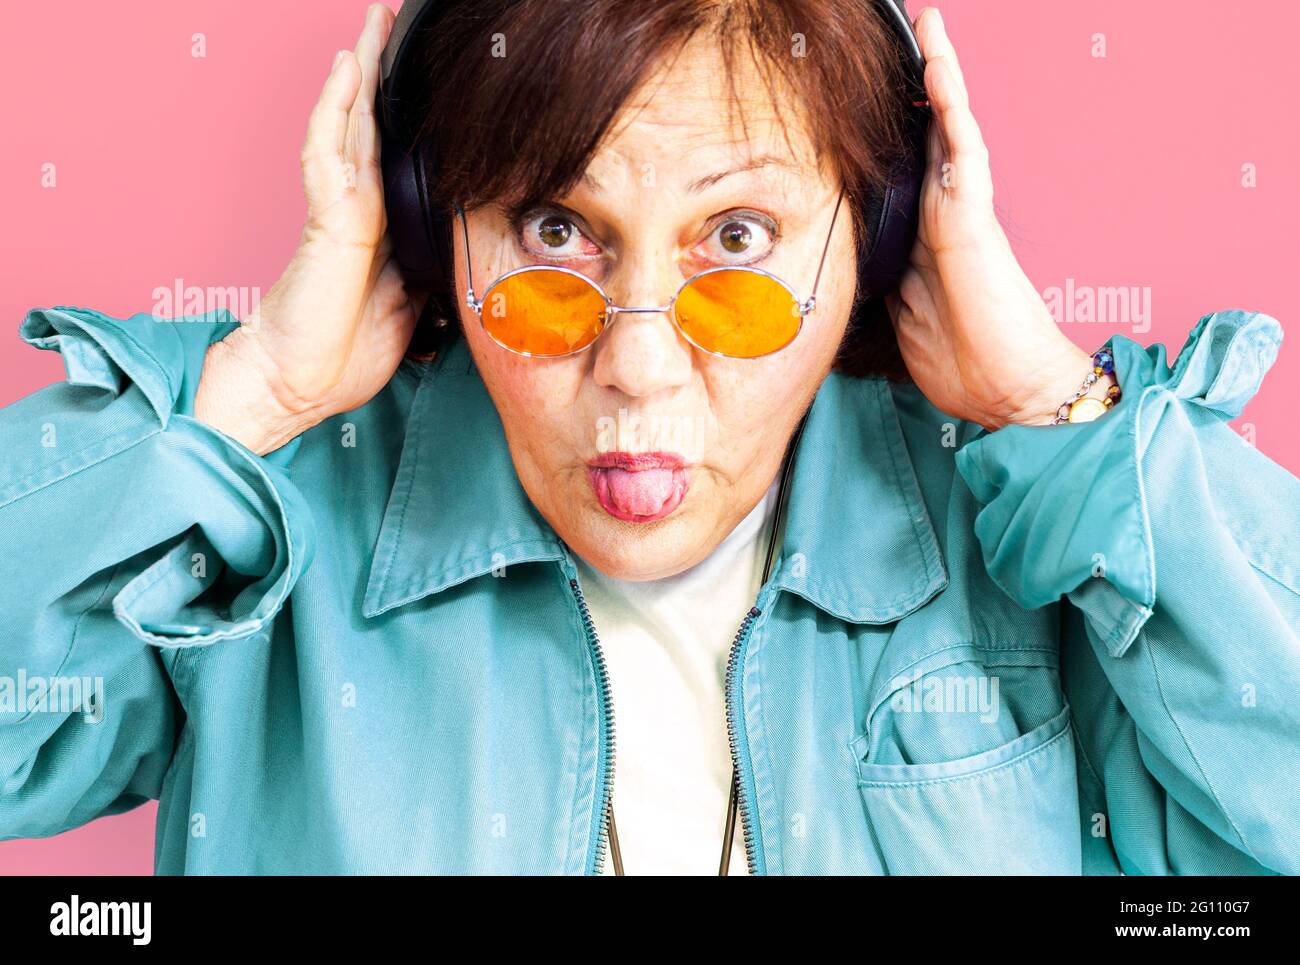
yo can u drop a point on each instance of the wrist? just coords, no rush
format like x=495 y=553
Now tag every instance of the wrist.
x=1058 y=381
x=1036 y=402
x=1078 y=388
x=236 y=398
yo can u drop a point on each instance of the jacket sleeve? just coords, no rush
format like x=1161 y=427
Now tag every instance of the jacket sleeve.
x=131 y=532
x=1176 y=542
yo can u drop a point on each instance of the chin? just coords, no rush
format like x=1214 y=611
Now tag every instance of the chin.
x=640 y=551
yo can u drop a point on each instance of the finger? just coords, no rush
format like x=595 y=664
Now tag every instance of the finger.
x=949 y=97
x=914 y=293
x=363 y=132
x=370 y=45
x=328 y=124
x=894 y=306
x=324 y=170
x=932 y=37
x=903 y=318
x=963 y=143
x=937 y=153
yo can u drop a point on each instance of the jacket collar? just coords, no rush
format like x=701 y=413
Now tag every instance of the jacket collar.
x=457 y=509
x=859 y=543
x=858 y=540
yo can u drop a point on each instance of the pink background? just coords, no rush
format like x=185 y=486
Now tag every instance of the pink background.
x=1122 y=171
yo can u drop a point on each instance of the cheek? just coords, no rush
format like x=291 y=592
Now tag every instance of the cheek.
x=535 y=401
x=753 y=401
x=757 y=405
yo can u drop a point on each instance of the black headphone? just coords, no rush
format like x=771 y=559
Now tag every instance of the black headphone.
x=421 y=232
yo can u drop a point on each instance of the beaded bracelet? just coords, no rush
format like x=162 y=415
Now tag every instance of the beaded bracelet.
x=1082 y=408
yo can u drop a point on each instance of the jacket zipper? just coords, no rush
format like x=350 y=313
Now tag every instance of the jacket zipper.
x=740 y=759
x=605 y=759
x=605 y=755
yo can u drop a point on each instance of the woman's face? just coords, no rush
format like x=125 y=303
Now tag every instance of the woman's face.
x=675 y=189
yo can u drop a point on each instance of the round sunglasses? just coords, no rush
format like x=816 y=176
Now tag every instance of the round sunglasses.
x=545 y=311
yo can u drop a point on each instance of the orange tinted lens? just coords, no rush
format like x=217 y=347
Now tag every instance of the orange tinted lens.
x=738 y=313
x=544 y=312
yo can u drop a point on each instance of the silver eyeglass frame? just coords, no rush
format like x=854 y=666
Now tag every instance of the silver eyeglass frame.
x=805 y=306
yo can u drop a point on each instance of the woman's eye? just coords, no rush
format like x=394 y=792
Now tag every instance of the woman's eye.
x=554 y=232
x=551 y=235
x=739 y=239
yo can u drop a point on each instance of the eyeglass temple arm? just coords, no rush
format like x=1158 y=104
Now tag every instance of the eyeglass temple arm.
x=470 y=298
x=812 y=299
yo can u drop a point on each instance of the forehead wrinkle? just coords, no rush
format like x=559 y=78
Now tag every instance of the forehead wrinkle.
x=688 y=119
x=717 y=152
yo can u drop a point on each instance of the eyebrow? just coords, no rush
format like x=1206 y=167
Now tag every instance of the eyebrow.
x=762 y=161
x=699 y=184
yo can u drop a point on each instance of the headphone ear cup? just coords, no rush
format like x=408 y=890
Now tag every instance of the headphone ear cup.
x=406 y=167
x=421 y=236
x=405 y=191
x=892 y=214
x=892 y=217
x=441 y=278
x=419 y=229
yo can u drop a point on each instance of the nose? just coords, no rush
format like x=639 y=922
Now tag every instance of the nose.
x=642 y=353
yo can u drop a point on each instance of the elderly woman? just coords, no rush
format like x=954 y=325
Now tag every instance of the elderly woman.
x=857 y=600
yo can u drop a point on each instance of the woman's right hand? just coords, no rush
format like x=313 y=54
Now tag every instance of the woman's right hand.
x=332 y=330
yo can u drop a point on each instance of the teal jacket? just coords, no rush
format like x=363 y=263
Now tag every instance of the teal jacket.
x=1060 y=650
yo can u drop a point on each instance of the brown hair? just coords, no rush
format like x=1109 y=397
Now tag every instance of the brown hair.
x=524 y=127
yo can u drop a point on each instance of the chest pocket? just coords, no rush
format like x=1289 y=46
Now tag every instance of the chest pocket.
x=967 y=766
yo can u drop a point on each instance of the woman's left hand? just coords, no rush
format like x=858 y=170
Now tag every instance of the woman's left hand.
x=976 y=335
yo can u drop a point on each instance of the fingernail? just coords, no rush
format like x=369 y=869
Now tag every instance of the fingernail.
x=338 y=58
x=938 y=15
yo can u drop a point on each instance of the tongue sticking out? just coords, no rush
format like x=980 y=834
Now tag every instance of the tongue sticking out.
x=639 y=493
x=628 y=494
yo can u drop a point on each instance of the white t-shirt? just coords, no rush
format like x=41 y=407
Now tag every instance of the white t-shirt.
x=666 y=644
